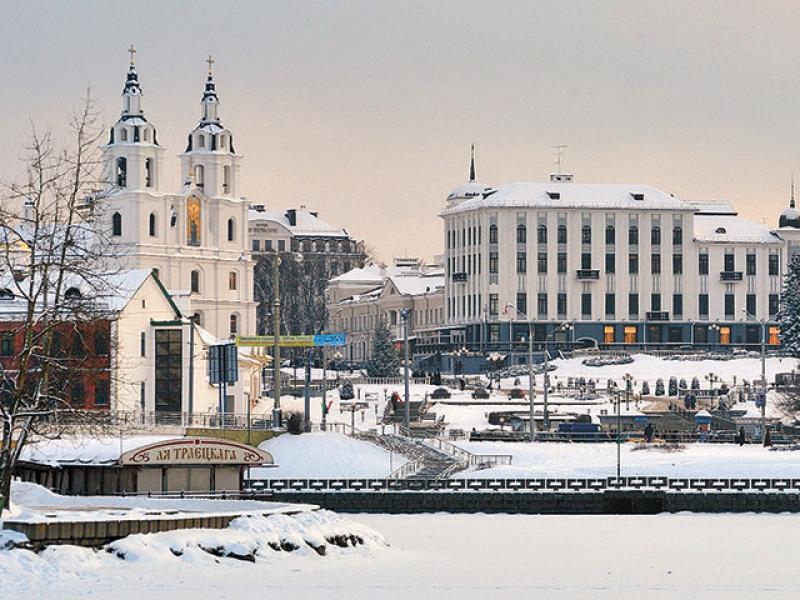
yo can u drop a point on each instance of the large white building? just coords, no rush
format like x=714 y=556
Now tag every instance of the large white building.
x=626 y=265
x=196 y=238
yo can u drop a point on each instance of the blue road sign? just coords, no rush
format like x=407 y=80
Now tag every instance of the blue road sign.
x=330 y=339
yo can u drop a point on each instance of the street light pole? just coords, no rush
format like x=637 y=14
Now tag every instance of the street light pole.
x=619 y=437
x=531 y=390
x=276 y=348
x=763 y=372
x=407 y=408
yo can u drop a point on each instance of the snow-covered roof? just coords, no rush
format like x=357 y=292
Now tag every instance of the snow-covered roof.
x=713 y=207
x=84 y=450
x=415 y=285
x=306 y=223
x=471 y=189
x=731 y=229
x=554 y=194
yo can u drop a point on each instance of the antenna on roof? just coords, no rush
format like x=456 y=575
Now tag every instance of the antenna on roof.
x=559 y=150
x=472 y=163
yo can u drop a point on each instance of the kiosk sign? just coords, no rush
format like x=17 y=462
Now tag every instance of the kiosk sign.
x=196 y=451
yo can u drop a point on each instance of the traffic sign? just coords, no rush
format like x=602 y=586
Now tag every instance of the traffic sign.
x=292 y=341
x=330 y=339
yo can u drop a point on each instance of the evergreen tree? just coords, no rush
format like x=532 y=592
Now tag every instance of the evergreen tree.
x=789 y=316
x=384 y=361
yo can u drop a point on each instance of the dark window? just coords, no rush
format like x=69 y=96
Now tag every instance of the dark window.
x=142 y=344
x=194 y=282
x=655 y=302
x=702 y=263
x=677 y=305
x=541 y=234
x=611 y=307
x=773 y=264
x=541 y=305
x=492 y=262
x=493 y=308
x=633 y=235
x=522 y=234
x=702 y=305
x=655 y=263
x=100 y=343
x=522 y=303
x=730 y=306
x=541 y=262
x=677 y=264
x=611 y=236
x=101 y=392
x=7 y=344
x=122 y=172
x=677 y=236
x=78 y=348
x=700 y=334
x=562 y=234
x=586 y=260
x=750 y=264
x=611 y=262
x=493 y=234
x=151 y=224
x=586 y=305
x=522 y=262
x=148 y=172
x=116 y=224
x=256 y=245
x=633 y=305
x=231 y=230
x=773 y=304
x=77 y=393
x=655 y=236
x=586 y=235
x=730 y=262
x=561 y=266
x=633 y=264
x=168 y=370
x=561 y=308
x=750 y=302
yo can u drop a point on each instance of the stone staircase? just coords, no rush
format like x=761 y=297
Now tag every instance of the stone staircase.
x=433 y=464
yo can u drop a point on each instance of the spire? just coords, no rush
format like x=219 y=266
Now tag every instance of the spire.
x=132 y=92
x=791 y=198
x=210 y=100
x=472 y=163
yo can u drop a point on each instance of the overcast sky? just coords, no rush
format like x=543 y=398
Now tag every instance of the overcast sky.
x=364 y=111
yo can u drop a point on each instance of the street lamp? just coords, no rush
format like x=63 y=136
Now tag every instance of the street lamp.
x=712 y=378
x=565 y=326
x=762 y=399
x=532 y=426
x=277 y=417
x=405 y=314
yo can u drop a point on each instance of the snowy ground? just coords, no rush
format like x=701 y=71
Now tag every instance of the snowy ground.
x=599 y=460
x=326 y=455
x=461 y=557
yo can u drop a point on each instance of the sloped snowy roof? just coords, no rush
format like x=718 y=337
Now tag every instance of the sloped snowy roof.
x=731 y=229
x=414 y=285
x=84 y=451
x=306 y=223
x=713 y=207
x=573 y=195
x=469 y=190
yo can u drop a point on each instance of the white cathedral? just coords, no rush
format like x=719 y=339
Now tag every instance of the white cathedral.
x=195 y=239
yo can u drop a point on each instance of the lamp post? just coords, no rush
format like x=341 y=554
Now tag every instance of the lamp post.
x=711 y=378
x=763 y=399
x=277 y=416
x=619 y=439
x=531 y=392
x=565 y=326
x=404 y=314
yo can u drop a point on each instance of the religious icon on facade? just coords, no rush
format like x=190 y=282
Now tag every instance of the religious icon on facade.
x=193 y=221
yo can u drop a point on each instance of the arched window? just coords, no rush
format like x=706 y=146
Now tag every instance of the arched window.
x=116 y=224
x=77 y=348
x=73 y=293
x=655 y=235
x=522 y=234
x=148 y=172
x=226 y=179
x=231 y=230
x=122 y=172
x=493 y=234
x=100 y=343
x=199 y=175
x=194 y=282
x=232 y=280
x=146 y=134
x=541 y=234
x=586 y=234
x=677 y=236
x=201 y=141
x=562 y=234
x=223 y=141
x=611 y=237
x=633 y=235
x=123 y=135
x=234 y=324
x=151 y=224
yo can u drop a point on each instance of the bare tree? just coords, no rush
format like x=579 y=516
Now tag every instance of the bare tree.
x=58 y=265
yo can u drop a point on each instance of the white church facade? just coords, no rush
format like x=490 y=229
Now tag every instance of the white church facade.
x=195 y=238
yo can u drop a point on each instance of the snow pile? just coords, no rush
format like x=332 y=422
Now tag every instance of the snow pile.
x=326 y=455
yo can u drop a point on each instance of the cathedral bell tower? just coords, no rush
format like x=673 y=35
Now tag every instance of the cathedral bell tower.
x=132 y=154
x=210 y=162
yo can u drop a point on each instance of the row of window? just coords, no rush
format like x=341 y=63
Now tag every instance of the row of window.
x=194 y=281
x=152 y=226
x=340 y=247
x=729 y=300
x=471 y=236
x=77 y=345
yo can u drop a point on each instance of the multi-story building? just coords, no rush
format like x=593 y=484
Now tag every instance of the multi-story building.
x=358 y=299
x=324 y=251
x=627 y=266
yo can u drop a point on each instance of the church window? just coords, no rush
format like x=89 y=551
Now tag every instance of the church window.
x=193 y=221
x=152 y=224
x=223 y=141
x=232 y=280
x=201 y=141
x=199 y=175
x=122 y=171
x=146 y=134
x=234 y=324
x=231 y=230
x=148 y=172
x=123 y=135
x=73 y=293
x=136 y=134
x=116 y=224
x=226 y=180
x=194 y=282
x=100 y=343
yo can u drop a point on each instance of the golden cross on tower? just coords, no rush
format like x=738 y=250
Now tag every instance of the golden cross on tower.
x=210 y=62
x=132 y=52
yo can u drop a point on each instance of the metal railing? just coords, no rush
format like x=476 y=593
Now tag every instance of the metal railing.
x=151 y=419
x=472 y=460
x=407 y=470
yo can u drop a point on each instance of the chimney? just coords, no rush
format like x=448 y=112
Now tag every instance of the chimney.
x=560 y=178
x=291 y=216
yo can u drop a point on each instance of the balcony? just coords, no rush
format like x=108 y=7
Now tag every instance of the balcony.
x=656 y=315
x=730 y=275
x=459 y=278
x=588 y=274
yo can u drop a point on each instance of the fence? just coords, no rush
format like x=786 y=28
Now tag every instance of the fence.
x=140 y=419
x=586 y=485
x=472 y=460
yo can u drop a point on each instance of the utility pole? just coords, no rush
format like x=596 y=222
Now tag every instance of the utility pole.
x=277 y=418
x=307 y=395
x=531 y=391
x=407 y=408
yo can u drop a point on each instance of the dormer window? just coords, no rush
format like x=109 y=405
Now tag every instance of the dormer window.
x=636 y=196
x=123 y=135
x=6 y=294
x=201 y=141
x=146 y=135
x=73 y=293
x=554 y=195
x=720 y=230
